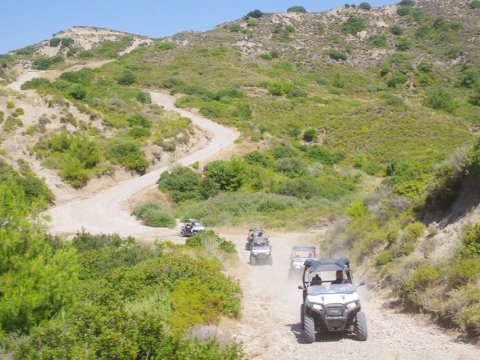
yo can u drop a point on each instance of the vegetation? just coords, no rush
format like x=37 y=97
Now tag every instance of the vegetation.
x=153 y=214
x=299 y=9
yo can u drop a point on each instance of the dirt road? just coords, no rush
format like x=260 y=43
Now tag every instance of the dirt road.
x=107 y=211
x=270 y=327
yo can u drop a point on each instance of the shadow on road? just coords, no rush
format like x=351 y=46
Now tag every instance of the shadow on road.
x=296 y=330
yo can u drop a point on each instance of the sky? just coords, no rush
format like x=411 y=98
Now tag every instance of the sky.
x=27 y=22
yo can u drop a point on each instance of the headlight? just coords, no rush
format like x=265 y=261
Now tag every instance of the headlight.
x=352 y=305
x=317 y=307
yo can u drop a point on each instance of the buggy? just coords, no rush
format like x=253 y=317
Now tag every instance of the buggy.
x=261 y=251
x=191 y=227
x=300 y=253
x=253 y=233
x=330 y=304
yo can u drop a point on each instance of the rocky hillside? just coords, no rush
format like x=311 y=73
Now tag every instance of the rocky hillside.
x=332 y=104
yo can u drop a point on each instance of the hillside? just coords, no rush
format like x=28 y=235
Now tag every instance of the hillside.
x=359 y=126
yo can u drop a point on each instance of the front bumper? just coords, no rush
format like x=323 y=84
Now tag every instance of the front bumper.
x=335 y=317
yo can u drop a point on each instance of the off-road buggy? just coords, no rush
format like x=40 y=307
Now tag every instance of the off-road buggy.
x=300 y=253
x=191 y=227
x=261 y=252
x=253 y=233
x=330 y=304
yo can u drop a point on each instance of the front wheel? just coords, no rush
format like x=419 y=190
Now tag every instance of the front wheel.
x=302 y=314
x=308 y=329
x=361 y=326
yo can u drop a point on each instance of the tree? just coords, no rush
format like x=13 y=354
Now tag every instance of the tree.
x=353 y=25
x=127 y=78
x=229 y=175
x=182 y=183
x=365 y=6
x=256 y=14
x=298 y=9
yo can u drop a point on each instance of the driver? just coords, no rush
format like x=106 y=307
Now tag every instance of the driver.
x=339 y=278
x=316 y=280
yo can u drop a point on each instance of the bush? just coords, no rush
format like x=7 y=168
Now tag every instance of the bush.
x=403 y=43
x=129 y=155
x=139 y=120
x=298 y=9
x=279 y=88
x=77 y=91
x=309 y=135
x=35 y=83
x=440 y=99
x=153 y=214
x=421 y=278
x=407 y=3
x=365 y=6
x=55 y=42
x=208 y=239
x=353 y=25
x=127 y=78
x=44 y=63
x=396 y=30
x=181 y=183
x=143 y=97
x=378 y=40
x=228 y=175
x=475 y=4
x=74 y=173
x=336 y=55
x=256 y=14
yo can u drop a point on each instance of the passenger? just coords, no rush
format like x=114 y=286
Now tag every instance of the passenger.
x=339 y=278
x=316 y=280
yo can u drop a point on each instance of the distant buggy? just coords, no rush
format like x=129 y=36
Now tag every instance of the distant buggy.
x=254 y=233
x=261 y=252
x=191 y=227
x=330 y=300
x=300 y=253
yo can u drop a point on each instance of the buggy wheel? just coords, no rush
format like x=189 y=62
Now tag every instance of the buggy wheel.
x=308 y=329
x=270 y=260
x=252 y=260
x=361 y=326
x=302 y=314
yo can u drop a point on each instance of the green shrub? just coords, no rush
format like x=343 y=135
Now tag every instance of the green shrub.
x=77 y=91
x=310 y=135
x=365 y=6
x=421 y=278
x=471 y=241
x=378 y=40
x=353 y=25
x=475 y=4
x=127 y=78
x=291 y=166
x=403 y=43
x=139 y=120
x=383 y=258
x=74 y=172
x=256 y=14
x=279 y=88
x=129 y=155
x=440 y=99
x=228 y=175
x=55 y=42
x=181 y=183
x=35 y=83
x=396 y=30
x=44 y=63
x=153 y=214
x=67 y=42
x=298 y=9
x=475 y=98
x=407 y=3
x=143 y=97
x=336 y=55
x=208 y=239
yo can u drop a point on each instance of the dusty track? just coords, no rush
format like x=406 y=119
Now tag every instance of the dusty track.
x=270 y=326
x=107 y=211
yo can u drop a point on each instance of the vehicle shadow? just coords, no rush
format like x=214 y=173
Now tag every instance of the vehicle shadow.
x=296 y=330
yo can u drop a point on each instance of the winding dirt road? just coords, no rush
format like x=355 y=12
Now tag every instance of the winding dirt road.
x=107 y=211
x=269 y=327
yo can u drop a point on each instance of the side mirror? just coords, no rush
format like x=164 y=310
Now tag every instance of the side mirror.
x=300 y=287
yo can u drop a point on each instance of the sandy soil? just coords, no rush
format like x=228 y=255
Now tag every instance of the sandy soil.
x=270 y=328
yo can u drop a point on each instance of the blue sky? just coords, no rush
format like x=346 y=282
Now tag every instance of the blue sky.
x=26 y=22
